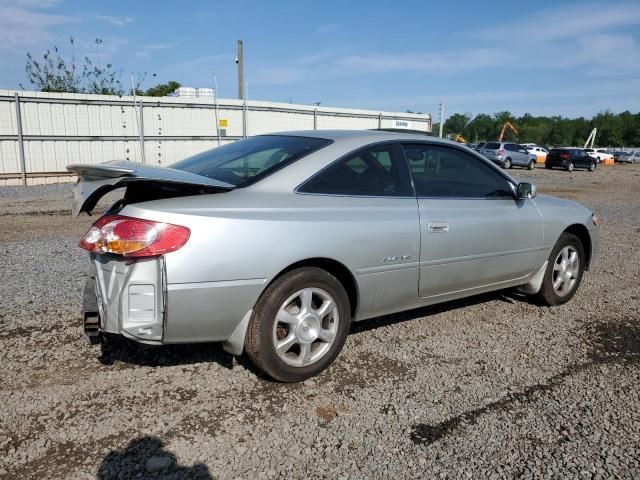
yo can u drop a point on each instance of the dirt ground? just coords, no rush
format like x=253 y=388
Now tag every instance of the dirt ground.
x=488 y=387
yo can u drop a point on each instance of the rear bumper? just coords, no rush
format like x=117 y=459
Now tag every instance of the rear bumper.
x=134 y=300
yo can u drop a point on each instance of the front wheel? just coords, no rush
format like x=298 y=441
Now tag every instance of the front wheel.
x=299 y=325
x=507 y=163
x=532 y=165
x=564 y=271
x=592 y=167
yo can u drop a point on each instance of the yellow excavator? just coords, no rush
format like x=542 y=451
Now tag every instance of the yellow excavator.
x=459 y=138
x=504 y=128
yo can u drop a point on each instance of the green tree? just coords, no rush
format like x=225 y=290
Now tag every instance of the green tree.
x=162 y=89
x=55 y=74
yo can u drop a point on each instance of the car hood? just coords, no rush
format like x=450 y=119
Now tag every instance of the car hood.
x=95 y=181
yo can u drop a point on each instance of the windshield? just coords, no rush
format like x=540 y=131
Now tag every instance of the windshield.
x=246 y=161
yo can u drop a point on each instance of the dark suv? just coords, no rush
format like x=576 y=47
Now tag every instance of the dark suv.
x=570 y=158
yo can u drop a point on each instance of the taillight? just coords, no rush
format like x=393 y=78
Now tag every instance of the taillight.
x=501 y=151
x=564 y=156
x=133 y=237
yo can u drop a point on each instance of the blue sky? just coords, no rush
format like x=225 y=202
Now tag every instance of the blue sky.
x=542 y=57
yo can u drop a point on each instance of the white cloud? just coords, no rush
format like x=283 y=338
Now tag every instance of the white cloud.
x=21 y=28
x=146 y=50
x=425 y=62
x=329 y=28
x=280 y=75
x=30 y=3
x=565 y=22
x=115 y=21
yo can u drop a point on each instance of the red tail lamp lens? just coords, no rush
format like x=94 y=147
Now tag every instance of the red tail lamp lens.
x=133 y=237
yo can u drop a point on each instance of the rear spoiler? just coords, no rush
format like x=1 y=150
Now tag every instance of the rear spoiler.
x=95 y=181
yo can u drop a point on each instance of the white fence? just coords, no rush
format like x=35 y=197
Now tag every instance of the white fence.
x=41 y=133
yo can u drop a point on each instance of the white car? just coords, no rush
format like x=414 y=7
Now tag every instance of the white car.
x=539 y=152
x=600 y=154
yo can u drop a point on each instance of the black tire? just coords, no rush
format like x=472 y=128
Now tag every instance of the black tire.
x=259 y=338
x=547 y=295
x=532 y=165
x=548 y=167
x=592 y=167
x=570 y=167
x=507 y=164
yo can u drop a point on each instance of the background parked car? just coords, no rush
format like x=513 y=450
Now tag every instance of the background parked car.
x=634 y=157
x=570 y=158
x=599 y=154
x=539 y=152
x=480 y=146
x=508 y=154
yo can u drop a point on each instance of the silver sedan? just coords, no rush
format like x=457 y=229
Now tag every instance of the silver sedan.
x=273 y=245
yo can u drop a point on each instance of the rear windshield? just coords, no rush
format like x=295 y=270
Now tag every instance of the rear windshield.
x=492 y=146
x=246 y=161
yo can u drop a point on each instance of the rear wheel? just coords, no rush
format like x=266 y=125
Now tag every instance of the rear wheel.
x=547 y=166
x=299 y=325
x=570 y=167
x=532 y=165
x=564 y=271
x=507 y=163
x=592 y=167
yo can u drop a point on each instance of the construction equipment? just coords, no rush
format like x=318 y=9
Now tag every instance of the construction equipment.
x=504 y=128
x=591 y=138
x=459 y=138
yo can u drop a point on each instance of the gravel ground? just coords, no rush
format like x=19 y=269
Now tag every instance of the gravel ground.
x=489 y=387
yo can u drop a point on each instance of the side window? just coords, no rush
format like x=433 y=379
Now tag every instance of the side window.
x=440 y=171
x=380 y=171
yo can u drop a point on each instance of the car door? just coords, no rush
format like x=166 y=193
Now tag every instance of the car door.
x=374 y=215
x=474 y=234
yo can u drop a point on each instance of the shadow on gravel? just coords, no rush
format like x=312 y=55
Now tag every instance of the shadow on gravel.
x=115 y=349
x=506 y=296
x=145 y=457
x=610 y=342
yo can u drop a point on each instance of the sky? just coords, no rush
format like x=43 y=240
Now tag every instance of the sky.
x=544 y=57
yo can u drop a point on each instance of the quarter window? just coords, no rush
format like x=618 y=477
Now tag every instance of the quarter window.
x=379 y=171
x=440 y=171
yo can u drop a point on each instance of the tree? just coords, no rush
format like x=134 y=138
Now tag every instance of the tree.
x=456 y=123
x=162 y=89
x=55 y=74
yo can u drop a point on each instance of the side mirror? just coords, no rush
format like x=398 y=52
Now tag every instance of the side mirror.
x=525 y=190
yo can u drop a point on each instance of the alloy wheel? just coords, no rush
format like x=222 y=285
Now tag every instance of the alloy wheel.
x=566 y=270
x=305 y=328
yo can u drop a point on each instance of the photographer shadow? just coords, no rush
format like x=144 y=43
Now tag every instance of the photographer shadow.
x=146 y=457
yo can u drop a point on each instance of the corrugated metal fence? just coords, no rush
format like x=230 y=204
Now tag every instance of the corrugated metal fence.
x=41 y=133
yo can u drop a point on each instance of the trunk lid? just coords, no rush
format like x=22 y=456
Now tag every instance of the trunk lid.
x=143 y=182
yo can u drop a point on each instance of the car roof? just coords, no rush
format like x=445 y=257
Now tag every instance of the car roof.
x=364 y=135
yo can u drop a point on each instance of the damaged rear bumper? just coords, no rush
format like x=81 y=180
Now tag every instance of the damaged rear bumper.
x=134 y=300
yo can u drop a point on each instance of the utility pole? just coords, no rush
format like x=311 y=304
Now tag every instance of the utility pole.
x=441 y=117
x=240 y=62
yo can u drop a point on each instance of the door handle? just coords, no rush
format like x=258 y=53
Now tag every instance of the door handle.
x=437 y=227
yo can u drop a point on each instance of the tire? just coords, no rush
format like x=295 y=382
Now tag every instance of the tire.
x=507 y=164
x=570 y=167
x=548 y=295
x=285 y=299
x=592 y=167
x=532 y=165
x=548 y=167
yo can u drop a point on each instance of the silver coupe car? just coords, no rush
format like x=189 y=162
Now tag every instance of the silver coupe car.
x=273 y=245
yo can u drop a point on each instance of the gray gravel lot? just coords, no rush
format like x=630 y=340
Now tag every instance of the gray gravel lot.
x=489 y=387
